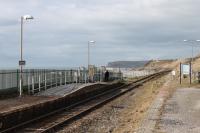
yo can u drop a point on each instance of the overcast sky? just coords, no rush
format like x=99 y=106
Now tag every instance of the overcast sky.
x=122 y=29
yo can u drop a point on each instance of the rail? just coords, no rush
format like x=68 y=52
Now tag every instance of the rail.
x=52 y=121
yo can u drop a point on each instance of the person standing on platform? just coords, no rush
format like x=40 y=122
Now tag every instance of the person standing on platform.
x=106 y=76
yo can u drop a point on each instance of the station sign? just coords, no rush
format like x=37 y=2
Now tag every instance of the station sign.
x=185 y=69
x=22 y=63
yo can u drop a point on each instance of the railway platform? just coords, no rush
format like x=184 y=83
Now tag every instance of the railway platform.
x=22 y=109
x=17 y=103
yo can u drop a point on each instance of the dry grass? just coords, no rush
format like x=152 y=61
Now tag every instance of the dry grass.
x=122 y=115
x=125 y=114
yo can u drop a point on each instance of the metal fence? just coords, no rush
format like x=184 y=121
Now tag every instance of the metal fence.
x=35 y=80
x=136 y=73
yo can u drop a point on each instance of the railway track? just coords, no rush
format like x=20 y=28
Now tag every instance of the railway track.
x=54 y=120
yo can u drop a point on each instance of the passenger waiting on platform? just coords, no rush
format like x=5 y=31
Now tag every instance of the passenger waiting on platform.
x=106 y=75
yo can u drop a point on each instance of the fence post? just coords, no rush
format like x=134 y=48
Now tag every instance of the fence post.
x=85 y=76
x=99 y=75
x=51 y=79
x=60 y=78
x=45 y=80
x=76 y=76
x=11 y=80
x=5 y=79
x=65 y=77
x=33 y=84
x=39 y=83
x=18 y=79
x=71 y=76
x=20 y=84
x=28 y=83
x=56 y=78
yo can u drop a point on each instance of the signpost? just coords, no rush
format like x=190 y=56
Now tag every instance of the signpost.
x=185 y=69
x=22 y=63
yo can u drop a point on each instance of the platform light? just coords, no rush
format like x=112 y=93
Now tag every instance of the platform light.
x=191 y=40
x=89 y=43
x=26 y=17
x=22 y=62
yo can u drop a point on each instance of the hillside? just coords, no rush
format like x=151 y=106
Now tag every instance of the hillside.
x=161 y=64
x=127 y=64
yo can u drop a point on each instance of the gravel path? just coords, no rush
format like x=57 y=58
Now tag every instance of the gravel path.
x=149 y=122
x=181 y=113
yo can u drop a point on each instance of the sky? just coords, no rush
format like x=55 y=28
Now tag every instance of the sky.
x=123 y=30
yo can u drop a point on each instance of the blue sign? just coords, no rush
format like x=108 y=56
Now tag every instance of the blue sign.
x=185 y=69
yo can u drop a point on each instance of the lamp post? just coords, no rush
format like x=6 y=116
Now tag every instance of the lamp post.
x=89 y=43
x=192 y=42
x=22 y=62
x=191 y=65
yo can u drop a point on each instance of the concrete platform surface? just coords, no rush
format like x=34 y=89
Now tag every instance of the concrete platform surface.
x=63 y=90
x=181 y=113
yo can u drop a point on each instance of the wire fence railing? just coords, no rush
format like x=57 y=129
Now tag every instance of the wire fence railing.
x=36 y=80
x=137 y=73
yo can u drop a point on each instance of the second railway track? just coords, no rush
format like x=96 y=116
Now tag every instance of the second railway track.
x=54 y=120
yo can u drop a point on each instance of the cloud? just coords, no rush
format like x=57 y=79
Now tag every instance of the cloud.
x=122 y=29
